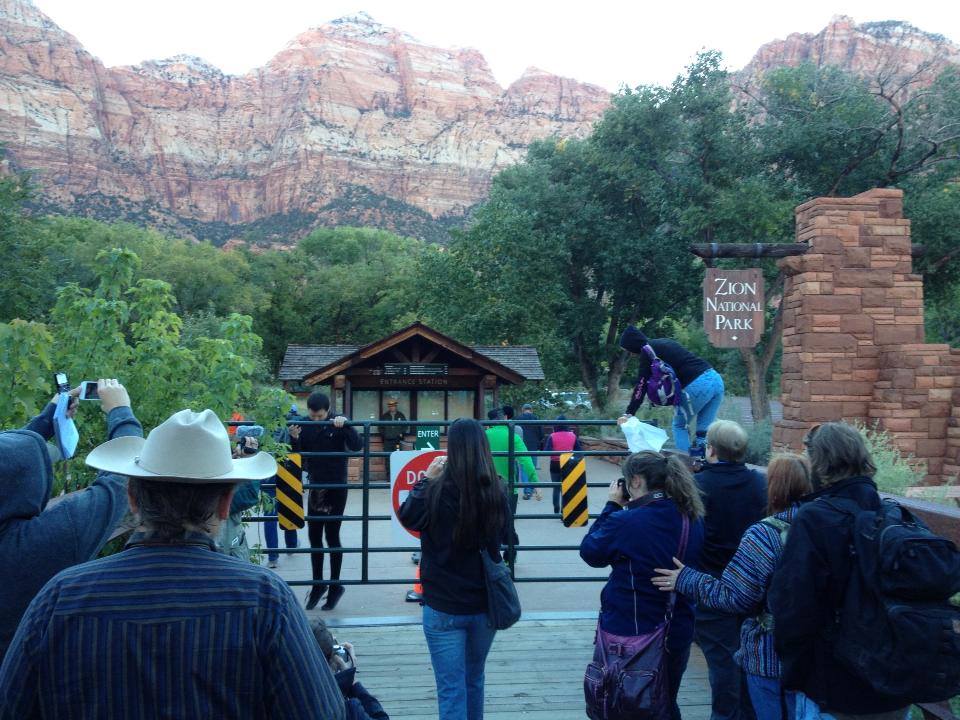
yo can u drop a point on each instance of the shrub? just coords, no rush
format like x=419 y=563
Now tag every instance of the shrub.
x=759 y=442
x=895 y=470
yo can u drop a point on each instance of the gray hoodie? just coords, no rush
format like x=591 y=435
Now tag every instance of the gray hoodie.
x=37 y=543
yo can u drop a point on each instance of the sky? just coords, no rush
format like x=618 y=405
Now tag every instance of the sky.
x=605 y=42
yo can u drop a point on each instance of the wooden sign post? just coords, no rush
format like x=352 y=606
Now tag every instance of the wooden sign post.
x=733 y=307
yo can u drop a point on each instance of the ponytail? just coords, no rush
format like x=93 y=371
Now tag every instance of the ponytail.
x=671 y=476
x=682 y=489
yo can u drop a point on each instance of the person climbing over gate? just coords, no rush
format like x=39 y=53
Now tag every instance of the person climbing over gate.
x=672 y=375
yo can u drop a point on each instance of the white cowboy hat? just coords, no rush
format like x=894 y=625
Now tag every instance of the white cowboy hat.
x=188 y=446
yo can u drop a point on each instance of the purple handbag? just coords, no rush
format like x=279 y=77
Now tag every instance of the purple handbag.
x=627 y=679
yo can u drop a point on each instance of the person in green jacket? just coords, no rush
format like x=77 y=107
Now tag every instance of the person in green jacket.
x=499 y=438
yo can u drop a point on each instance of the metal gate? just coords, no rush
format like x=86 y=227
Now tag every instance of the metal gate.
x=365 y=485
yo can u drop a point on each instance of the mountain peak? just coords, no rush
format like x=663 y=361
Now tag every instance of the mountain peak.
x=181 y=68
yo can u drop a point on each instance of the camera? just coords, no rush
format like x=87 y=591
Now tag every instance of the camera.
x=245 y=431
x=341 y=652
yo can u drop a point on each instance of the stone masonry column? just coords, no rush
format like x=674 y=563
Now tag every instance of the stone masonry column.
x=853 y=332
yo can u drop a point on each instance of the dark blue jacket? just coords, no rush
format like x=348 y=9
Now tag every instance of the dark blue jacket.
x=633 y=541
x=735 y=497
x=805 y=593
x=36 y=540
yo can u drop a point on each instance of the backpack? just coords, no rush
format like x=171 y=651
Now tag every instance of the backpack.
x=896 y=628
x=765 y=618
x=663 y=386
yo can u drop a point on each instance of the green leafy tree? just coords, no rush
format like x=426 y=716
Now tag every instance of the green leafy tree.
x=125 y=328
x=340 y=285
x=557 y=258
x=707 y=175
x=26 y=286
x=25 y=370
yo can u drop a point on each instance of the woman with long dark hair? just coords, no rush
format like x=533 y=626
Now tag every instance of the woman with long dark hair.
x=654 y=514
x=460 y=509
x=742 y=589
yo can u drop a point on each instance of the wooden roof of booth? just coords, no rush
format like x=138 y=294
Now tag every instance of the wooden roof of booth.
x=315 y=364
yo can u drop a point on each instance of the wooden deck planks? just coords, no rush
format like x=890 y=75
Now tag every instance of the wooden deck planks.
x=535 y=670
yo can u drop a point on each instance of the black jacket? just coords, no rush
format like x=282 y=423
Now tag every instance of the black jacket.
x=735 y=498
x=452 y=577
x=685 y=364
x=326 y=438
x=532 y=434
x=805 y=594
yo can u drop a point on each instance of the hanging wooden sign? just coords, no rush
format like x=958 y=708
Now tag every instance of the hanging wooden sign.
x=733 y=307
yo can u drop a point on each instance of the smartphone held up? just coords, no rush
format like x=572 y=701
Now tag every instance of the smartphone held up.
x=88 y=390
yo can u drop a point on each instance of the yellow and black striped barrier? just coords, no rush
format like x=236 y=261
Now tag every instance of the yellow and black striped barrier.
x=573 y=490
x=290 y=492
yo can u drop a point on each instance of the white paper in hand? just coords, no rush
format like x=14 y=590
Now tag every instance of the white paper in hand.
x=642 y=436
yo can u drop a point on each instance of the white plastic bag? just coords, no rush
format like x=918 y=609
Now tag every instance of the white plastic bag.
x=643 y=436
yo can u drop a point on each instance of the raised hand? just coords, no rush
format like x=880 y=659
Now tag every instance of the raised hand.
x=112 y=394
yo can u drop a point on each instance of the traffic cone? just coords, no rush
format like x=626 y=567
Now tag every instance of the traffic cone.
x=416 y=595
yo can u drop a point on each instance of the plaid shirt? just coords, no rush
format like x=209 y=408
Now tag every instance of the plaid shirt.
x=166 y=631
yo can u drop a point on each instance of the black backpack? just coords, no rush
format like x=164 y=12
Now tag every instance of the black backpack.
x=896 y=628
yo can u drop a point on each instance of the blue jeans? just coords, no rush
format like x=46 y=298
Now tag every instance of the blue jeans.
x=807 y=709
x=765 y=694
x=458 y=652
x=706 y=394
x=270 y=529
x=528 y=491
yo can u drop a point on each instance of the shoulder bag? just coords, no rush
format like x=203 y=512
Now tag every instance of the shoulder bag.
x=503 y=603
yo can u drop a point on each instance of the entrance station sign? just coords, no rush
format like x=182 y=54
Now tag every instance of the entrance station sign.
x=406 y=469
x=733 y=307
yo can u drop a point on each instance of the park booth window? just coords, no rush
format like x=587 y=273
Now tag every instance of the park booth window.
x=460 y=404
x=365 y=405
x=488 y=402
x=430 y=405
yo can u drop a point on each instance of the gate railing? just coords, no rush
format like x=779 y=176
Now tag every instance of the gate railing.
x=366 y=485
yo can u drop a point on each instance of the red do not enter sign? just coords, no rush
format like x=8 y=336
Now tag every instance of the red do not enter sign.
x=407 y=475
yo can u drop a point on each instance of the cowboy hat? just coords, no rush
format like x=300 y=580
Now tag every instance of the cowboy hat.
x=187 y=446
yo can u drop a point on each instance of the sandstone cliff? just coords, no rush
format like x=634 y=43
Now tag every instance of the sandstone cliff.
x=351 y=122
x=879 y=51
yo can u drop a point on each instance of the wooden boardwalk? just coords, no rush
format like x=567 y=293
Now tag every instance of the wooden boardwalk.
x=535 y=670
